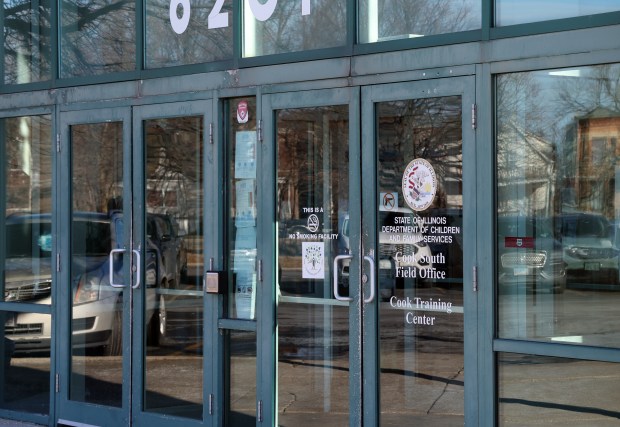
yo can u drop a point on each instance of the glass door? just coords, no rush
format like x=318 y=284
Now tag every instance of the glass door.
x=317 y=341
x=133 y=344
x=419 y=309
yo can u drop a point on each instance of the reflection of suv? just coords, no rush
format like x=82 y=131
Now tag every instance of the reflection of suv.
x=589 y=251
x=162 y=231
x=96 y=304
x=529 y=255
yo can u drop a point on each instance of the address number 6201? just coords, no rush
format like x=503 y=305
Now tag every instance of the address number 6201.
x=219 y=19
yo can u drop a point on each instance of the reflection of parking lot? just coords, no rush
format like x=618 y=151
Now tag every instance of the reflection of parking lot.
x=588 y=317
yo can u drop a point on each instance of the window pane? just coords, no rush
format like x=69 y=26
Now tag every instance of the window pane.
x=510 y=12
x=242 y=196
x=242 y=379
x=97 y=37
x=381 y=20
x=535 y=390
x=27 y=47
x=558 y=231
x=207 y=37
x=24 y=362
x=292 y=26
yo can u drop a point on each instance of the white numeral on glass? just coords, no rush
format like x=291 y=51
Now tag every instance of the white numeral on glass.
x=263 y=11
x=305 y=7
x=179 y=25
x=217 y=18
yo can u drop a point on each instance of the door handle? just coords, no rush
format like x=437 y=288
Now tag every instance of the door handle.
x=137 y=284
x=371 y=261
x=111 y=272
x=336 y=294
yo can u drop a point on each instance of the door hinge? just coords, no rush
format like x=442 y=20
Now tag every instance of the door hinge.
x=475 y=278
x=57 y=383
x=211 y=133
x=260 y=270
x=260 y=411
x=259 y=130
x=58 y=263
x=211 y=404
x=474 y=116
x=58 y=143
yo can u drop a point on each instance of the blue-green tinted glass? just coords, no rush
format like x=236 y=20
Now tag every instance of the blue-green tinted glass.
x=25 y=361
x=27 y=48
x=566 y=392
x=382 y=20
x=558 y=210
x=272 y=26
x=97 y=37
x=510 y=12
x=179 y=32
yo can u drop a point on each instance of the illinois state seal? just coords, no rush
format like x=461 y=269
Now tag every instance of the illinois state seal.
x=419 y=184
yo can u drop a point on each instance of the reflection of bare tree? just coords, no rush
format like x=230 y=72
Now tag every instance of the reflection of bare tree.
x=97 y=162
x=313 y=162
x=289 y=31
x=422 y=128
x=590 y=102
x=407 y=18
x=28 y=162
x=27 y=47
x=197 y=44
x=98 y=36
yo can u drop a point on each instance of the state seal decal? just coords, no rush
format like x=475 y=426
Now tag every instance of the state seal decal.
x=419 y=184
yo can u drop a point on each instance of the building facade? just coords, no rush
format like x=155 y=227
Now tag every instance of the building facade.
x=310 y=212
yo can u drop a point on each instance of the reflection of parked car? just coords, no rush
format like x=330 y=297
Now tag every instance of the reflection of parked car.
x=529 y=255
x=161 y=230
x=97 y=306
x=589 y=252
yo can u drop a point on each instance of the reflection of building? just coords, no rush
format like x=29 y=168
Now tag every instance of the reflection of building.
x=526 y=172
x=596 y=154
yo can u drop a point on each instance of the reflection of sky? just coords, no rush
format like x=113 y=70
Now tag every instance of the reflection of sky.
x=511 y=12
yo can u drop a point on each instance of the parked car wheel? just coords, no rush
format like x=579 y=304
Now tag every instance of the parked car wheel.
x=115 y=342
x=158 y=323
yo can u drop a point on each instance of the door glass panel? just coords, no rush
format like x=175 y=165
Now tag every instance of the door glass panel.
x=312 y=205
x=97 y=228
x=173 y=297
x=242 y=380
x=420 y=264
x=26 y=245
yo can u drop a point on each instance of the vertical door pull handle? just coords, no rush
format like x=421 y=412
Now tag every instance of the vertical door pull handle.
x=371 y=273
x=336 y=262
x=111 y=272
x=138 y=262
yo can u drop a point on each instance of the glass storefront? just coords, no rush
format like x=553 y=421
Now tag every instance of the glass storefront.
x=309 y=212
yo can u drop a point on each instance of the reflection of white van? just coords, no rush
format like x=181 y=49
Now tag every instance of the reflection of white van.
x=403 y=253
